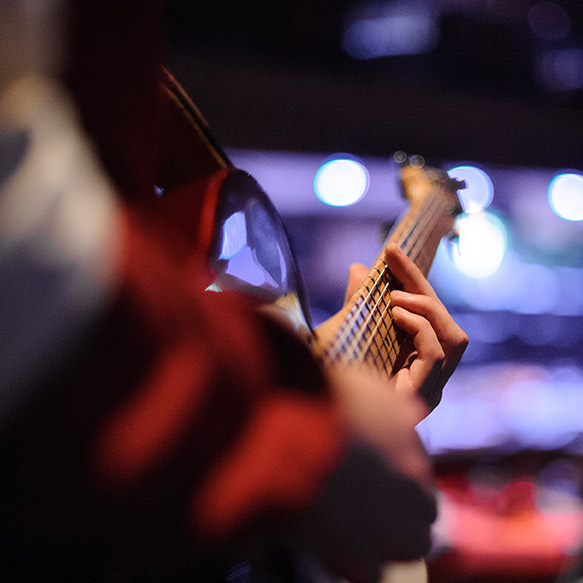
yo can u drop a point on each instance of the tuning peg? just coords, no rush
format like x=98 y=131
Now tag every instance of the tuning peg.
x=417 y=161
x=400 y=157
x=458 y=184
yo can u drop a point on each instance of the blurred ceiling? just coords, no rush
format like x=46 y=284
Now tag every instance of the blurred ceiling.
x=492 y=81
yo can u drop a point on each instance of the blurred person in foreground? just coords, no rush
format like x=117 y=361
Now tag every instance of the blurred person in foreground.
x=152 y=431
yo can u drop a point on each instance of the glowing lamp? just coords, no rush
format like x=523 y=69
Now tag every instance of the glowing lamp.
x=481 y=246
x=479 y=190
x=341 y=182
x=565 y=196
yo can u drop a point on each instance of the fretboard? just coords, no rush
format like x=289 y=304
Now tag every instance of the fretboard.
x=368 y=333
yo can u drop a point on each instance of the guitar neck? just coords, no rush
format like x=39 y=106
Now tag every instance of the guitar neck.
x=368 y=334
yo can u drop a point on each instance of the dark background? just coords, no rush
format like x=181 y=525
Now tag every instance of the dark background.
x=273 y=75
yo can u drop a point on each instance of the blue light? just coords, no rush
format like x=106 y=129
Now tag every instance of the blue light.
x=479 y=190
x=405 y=31
x=565 y=196
x=481 y=245
x=341 y=182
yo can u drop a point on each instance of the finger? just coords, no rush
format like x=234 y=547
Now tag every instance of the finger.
x=418 y=296
x=421 y=380
x=429 y=324
x=406 y=272
x=356 y=273
x=452 y=338
x=446 y=328
x=421 y=331
x=423 y=376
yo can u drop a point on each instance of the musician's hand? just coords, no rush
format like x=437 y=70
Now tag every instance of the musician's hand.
x=437 y=341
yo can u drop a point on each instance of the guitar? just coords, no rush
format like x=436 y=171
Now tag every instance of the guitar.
x=364 y=330
x=247 y=248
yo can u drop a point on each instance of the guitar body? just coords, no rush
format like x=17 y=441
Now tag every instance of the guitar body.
x=243 y=240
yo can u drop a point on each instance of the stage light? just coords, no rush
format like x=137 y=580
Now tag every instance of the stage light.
x=341 y=182
x=481 y=244
x=479 y=191
x=391 y=29
x=565 y=196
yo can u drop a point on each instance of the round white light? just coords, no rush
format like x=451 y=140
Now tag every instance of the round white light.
x=479 y=190
x=566 y=196
x=341 y=182
x=481 y=245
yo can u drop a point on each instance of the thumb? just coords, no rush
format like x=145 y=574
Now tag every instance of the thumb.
x=356 y=273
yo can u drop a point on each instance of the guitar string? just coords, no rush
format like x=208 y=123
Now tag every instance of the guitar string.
x=388 y=342
x=388 y=346
x=413 y=252
x=364 y=301
x=342 y=343
x=419 y=242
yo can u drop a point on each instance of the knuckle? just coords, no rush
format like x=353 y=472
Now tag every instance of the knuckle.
x=463 y=339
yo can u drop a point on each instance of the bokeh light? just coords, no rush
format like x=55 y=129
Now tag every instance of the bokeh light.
x=481 y=244
x=479 y=191
x=341 y=182
x=405 y=28
x=561 y=69
x=565 y=196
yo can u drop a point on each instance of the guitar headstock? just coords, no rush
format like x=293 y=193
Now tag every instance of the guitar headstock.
x=421 y=182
